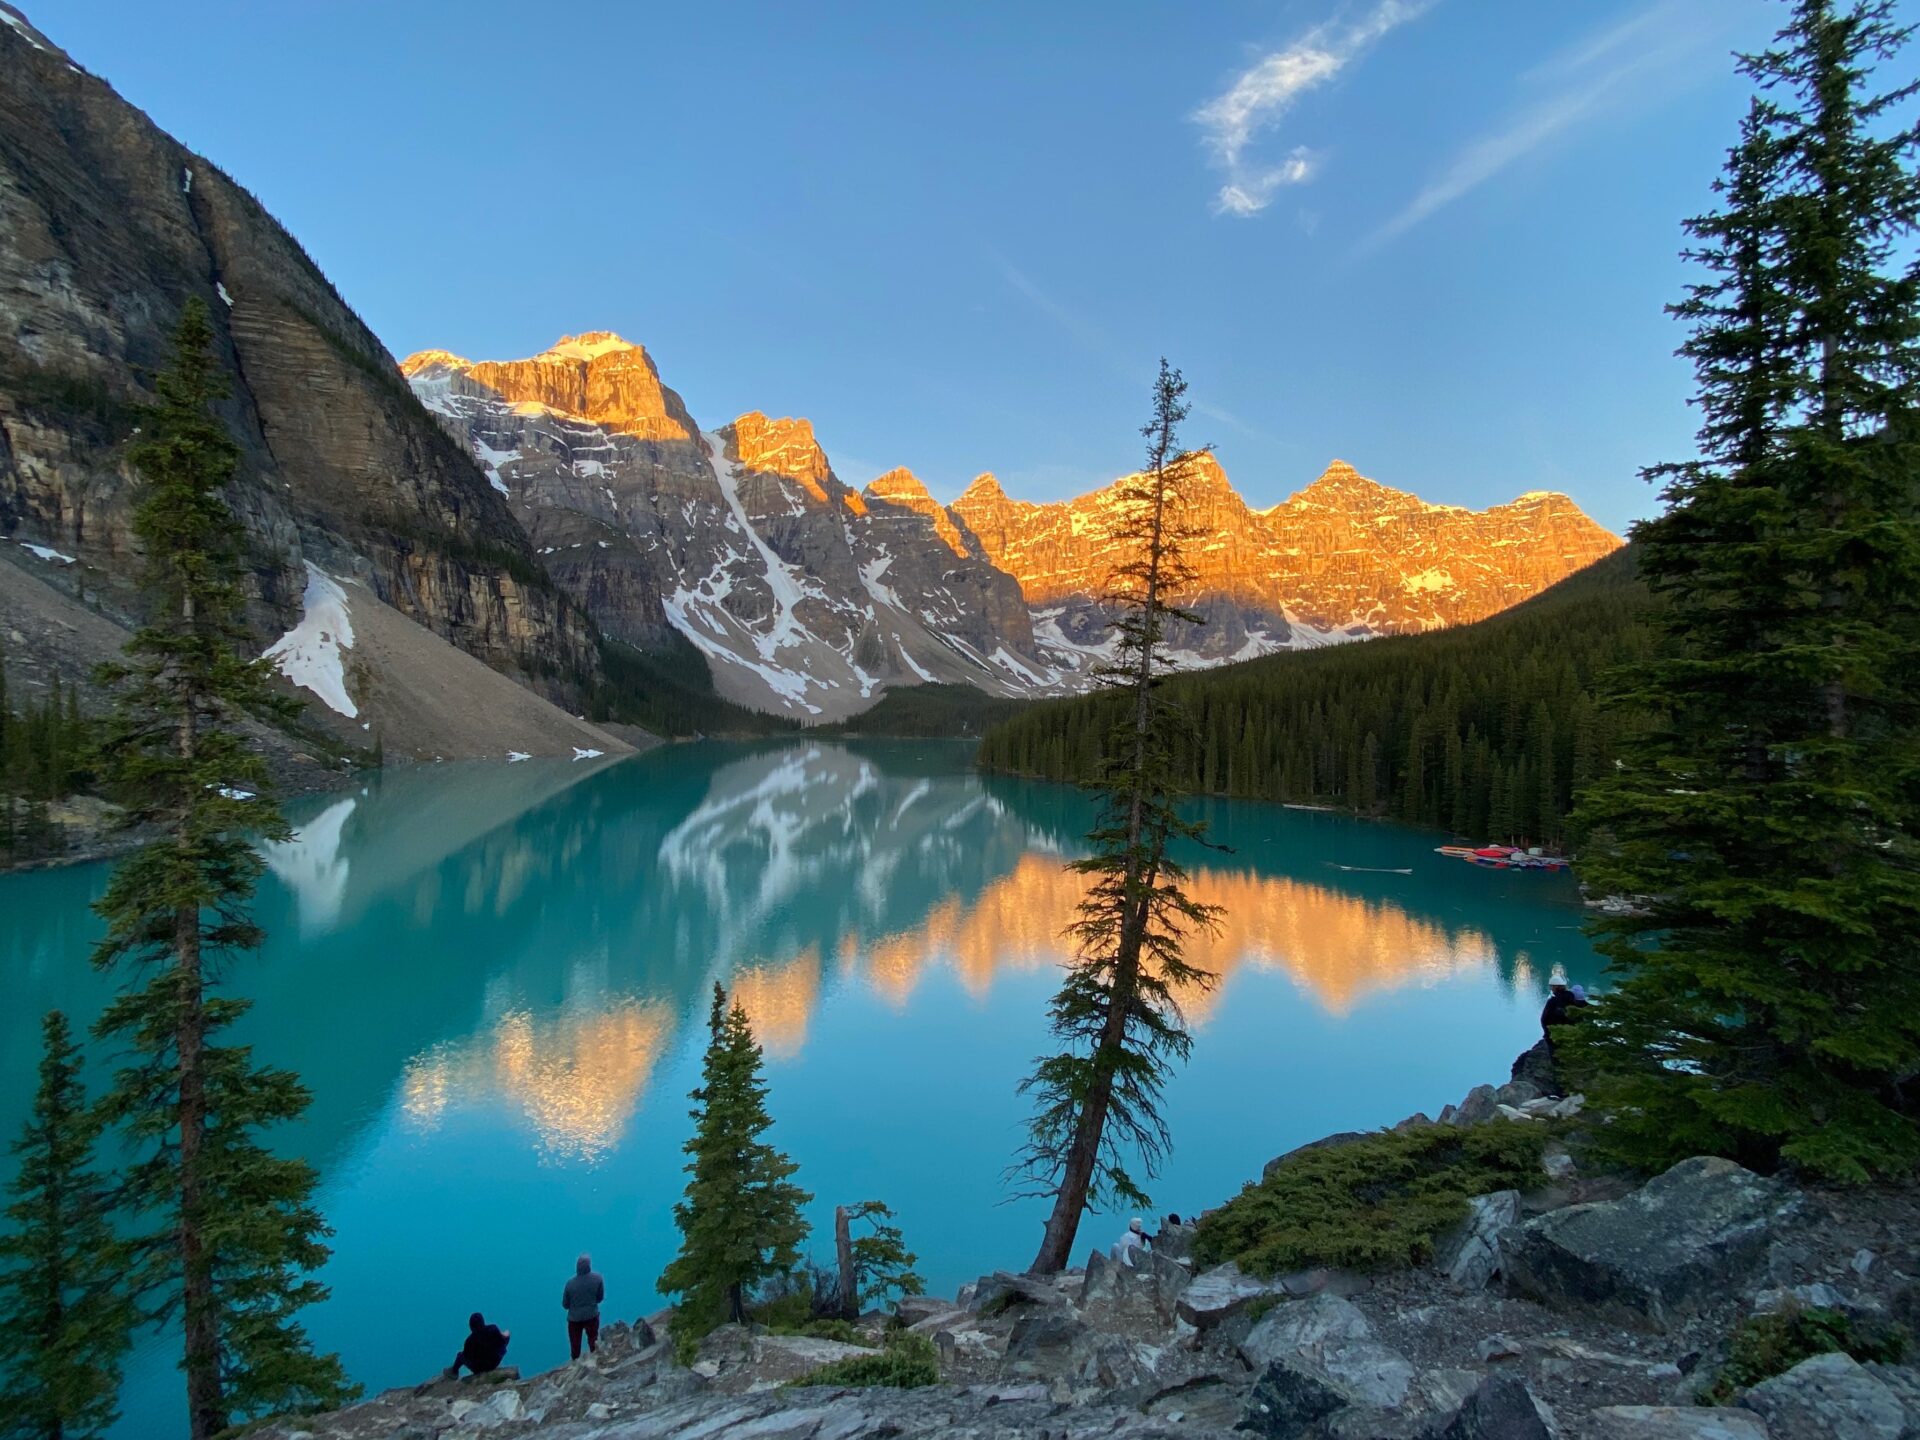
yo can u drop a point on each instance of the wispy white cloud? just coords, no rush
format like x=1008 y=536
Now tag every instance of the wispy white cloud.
x=1262 y=94
x=1619 y=69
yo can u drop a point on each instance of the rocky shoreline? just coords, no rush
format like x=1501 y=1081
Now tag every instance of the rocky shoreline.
x=1589 y=1305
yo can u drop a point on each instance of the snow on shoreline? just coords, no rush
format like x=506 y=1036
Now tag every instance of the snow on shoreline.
x=309 y=654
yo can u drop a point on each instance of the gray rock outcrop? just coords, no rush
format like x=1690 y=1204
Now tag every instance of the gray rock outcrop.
x=1688 y=1237
x=1831 y=1396
x=1674 y=1422
x=1502 y=1408
x=1469 y=1254
x=1222 y=1292
x=109 y=227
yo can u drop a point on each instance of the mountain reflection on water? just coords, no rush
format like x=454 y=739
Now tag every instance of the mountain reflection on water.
x=795 y=872
x=493 y=980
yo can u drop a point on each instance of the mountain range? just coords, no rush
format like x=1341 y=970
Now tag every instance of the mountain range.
x=809 y=596
x=422 y=534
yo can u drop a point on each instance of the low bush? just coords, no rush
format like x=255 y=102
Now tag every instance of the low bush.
x=1375 y=1203
x=1763 y=1346
x=844 y=1331
x=907 y=1362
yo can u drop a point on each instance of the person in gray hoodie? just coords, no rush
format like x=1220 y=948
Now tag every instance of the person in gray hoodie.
x=582 y=1297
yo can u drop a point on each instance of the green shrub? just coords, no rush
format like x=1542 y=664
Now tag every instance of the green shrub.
x=1763 y=1346
x=1376 y=1203
x=844 y=1331
x=906 y=1363
x=784 y=1307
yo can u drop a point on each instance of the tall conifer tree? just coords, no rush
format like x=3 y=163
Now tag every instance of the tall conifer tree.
x=65 y=1316
x=1097 y=1102
x=235 y=1234
x=1770 y=1003
x=740 y=1223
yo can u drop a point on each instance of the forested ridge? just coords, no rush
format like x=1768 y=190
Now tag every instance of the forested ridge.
x=1486 y=730
x=45 y=755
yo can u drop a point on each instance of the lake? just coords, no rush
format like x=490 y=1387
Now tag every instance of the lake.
x=495 y=979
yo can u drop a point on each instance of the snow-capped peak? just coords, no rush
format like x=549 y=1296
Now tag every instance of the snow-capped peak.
x=587 y=345
x=423 y=360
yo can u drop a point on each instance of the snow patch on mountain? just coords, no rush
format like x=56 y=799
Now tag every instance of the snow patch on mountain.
x=310 y=654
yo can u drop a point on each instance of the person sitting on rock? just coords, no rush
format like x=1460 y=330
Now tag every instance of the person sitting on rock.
x=486 y=1347
x=581 y=1296
x=1564 y=999
x=1133 y=1239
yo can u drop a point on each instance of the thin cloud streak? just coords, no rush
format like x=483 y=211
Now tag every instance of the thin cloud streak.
x=1090 y=338
x=1592 y=80
x=1262 y=95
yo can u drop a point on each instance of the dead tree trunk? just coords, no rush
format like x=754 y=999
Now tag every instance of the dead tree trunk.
x=843 y=1247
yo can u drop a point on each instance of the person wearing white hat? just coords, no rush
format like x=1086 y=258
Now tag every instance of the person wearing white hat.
x=1133 y=1239
x=1561 y=1008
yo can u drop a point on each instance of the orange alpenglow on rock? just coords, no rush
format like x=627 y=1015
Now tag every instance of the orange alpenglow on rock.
x=595 y=375
x=900 y=486
x=1345 y=551
x=782 y=447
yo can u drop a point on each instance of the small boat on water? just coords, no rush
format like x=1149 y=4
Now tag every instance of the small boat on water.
x=1505 y=857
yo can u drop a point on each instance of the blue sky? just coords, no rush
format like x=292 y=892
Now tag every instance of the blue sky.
x=1430 y=237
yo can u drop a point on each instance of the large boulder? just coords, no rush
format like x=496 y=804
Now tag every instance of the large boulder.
x=1213 y=1400
x=1137 y=1300
x=1831 y=1396
x=1685 y=1239
x=1288 y=1401
x=1502 y=1408
x=1673 y=1422
x=1297 y=1324
x=1535 y=1067
x=1170 y=1280
x=1217 y=1295
x=1370 y=1374
x=1478 y=1107
x=912 y=1309
x=991 y=1294
x=1045 y=1342
x=1469 y=1253
x=1904 y=1382
x=1104 y=1278
x=1308 y=1349
x=1175 y=1242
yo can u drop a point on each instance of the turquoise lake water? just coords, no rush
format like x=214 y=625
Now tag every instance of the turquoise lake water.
x=494 y=979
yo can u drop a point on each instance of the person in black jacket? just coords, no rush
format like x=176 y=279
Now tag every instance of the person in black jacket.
x=486 y=1347
x=1562 y=1001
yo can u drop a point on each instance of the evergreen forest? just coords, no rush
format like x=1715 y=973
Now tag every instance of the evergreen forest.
x=1486 y=730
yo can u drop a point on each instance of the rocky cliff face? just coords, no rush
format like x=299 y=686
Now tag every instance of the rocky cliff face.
x=810 y=597
x=108 y=227
x=806 y=597
x=1343 y=558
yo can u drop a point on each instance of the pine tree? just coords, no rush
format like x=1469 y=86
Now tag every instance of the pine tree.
x=1770 y=1001
x=1097 y=1102
x=65 y=1318
x=740 y=1223
x=234 y=1235
x=882 y=1264
x=1432 y=703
